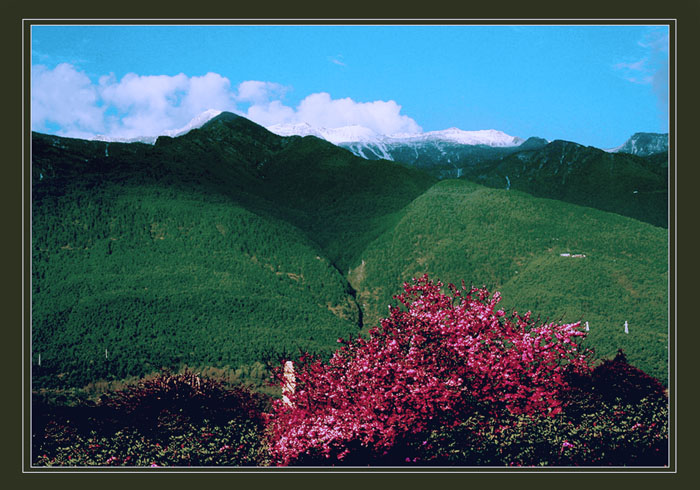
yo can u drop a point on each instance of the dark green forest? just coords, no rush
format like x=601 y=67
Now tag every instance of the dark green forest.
x=512 y=242
x=231 y=247
x=631 y=185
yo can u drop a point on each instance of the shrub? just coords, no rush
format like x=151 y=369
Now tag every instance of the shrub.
x=163 y=400
x=605 y=434
x=167 y=420
x=237 y=443
x=434 y=363
x=617 y=379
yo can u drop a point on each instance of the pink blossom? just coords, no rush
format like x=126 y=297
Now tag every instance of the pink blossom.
x=426 y=360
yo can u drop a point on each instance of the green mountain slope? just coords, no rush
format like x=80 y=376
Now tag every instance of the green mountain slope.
x=208 y=249
x=512 y=242
x=231 y=245
x=341 y=201
x=162 y=279
x=630 y=185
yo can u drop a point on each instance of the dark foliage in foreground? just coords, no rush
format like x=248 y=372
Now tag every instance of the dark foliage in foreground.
x=186 y=420
x=168 y=420
x=598 y=427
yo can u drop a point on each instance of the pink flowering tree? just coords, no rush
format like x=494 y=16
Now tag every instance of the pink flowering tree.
x=433 y=360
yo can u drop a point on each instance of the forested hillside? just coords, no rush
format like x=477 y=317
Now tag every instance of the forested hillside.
x=630 y=185
x=614 y=268
x=231 y=246
x=221 y=248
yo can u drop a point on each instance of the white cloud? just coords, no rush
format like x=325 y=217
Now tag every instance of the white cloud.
x=258 y=92
x=380 y=116
x=338 y=60
x=320 y=110
x=638 y=72
x=635 y=66
x=211 y=91
x=65 y=97
x=133 y=106
x=270 y=113
x=138 y=105
x=142 y=93
x=153 y=104
x=658 y=41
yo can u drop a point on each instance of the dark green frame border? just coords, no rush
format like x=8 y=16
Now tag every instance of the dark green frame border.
x=686 y=17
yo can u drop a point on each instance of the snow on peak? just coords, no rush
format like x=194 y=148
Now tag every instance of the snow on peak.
x=118 y=139
x=344 y=134
x=489 y=137
x=361 y=134
x=643 y=144
x=347 y=134
x=296 y=129
x=196 y=122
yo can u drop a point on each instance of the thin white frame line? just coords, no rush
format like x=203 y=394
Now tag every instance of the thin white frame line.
x=468 y=22
x=24 y=380
x=674 y=429
x=419 y=19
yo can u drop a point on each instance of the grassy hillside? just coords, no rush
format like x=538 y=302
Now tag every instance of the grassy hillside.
x=511 y=242
x=220 y=248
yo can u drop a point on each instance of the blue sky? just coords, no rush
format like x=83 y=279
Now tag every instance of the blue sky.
x=596 y=85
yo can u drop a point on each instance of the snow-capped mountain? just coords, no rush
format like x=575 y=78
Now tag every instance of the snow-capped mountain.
x=361 y=134
x=643 y=144
x=487 y=137
x=443 y=152
x=345 y=134
x=196 y=122
x=445 y=147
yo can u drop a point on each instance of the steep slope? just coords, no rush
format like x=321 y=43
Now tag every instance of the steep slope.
x=201 y=249
x=443 y=153
x=644 y=144
x=340 y=200
x=440 y=158
x=621 y=183
x=513 y=242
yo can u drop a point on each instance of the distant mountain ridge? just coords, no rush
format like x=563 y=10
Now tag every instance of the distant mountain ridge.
x=361 y=134
x=627 y=184
x=196 y=122
x=641 y=143
x=631 y=180
x=434 y=151
x=443 y=148
x=455 y=153
x=644 y=144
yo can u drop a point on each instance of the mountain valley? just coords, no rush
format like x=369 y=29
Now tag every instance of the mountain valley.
x=232 y=246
